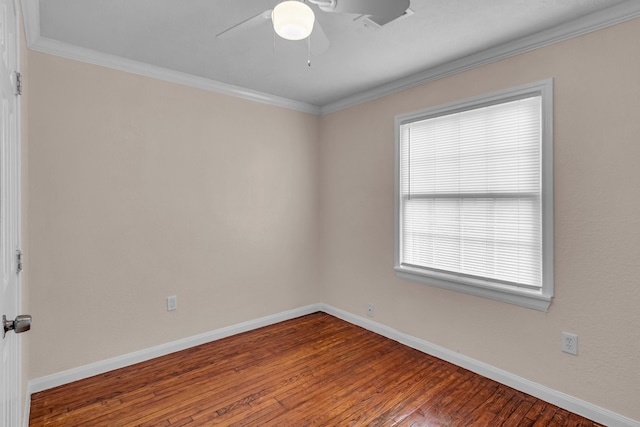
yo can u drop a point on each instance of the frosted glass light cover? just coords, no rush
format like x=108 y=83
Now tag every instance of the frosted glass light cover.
x=293 y=20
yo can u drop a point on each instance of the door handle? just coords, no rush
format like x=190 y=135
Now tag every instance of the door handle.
x=21 y=324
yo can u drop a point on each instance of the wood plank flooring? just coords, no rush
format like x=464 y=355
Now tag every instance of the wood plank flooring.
x=315 y=370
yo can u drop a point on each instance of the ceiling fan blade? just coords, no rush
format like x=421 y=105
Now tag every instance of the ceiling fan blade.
x=385 y=9
x=254 y=21
x=319 y=40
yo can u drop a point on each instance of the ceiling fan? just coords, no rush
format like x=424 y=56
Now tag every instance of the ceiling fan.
x=295 y=20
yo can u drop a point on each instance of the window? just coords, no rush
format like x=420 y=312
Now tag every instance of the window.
x=474 y=196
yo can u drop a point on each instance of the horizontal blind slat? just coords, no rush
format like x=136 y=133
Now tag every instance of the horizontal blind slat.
x=470 y=192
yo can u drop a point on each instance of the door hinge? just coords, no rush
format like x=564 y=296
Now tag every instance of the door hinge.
x=18 y=83
x=19 y=258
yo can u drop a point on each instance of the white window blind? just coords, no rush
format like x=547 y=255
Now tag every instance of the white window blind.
x=470 y=205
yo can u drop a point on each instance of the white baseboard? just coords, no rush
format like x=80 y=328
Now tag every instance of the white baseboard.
x=86 y=371
x=547 y=394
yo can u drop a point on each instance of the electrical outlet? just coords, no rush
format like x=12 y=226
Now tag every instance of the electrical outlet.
x=172 y=303
x=570 y=343
x=370 y=310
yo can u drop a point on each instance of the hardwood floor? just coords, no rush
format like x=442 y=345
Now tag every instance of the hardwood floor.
x=315 y=370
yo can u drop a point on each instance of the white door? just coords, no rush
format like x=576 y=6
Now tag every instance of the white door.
x=9 y=216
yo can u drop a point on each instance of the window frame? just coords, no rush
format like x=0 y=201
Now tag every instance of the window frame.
x=530 y=298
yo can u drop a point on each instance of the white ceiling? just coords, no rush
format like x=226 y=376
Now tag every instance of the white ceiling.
x=180 y=35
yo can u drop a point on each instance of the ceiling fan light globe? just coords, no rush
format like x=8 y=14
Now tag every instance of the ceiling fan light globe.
x=293 y=20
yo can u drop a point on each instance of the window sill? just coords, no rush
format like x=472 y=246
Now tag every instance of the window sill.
x=536 y=300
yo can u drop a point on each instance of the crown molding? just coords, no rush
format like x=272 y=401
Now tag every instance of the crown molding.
x=65 y=50
x=31 y=17
x=578 y=27
x=35 y=42
x=586 y=24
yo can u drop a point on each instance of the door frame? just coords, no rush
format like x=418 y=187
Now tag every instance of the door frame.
x=24 y=399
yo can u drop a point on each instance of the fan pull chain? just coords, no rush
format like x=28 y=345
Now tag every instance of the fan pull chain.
x=308 y=48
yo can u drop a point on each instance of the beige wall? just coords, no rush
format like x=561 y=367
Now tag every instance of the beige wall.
x=139 y=189
x=597 y=220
